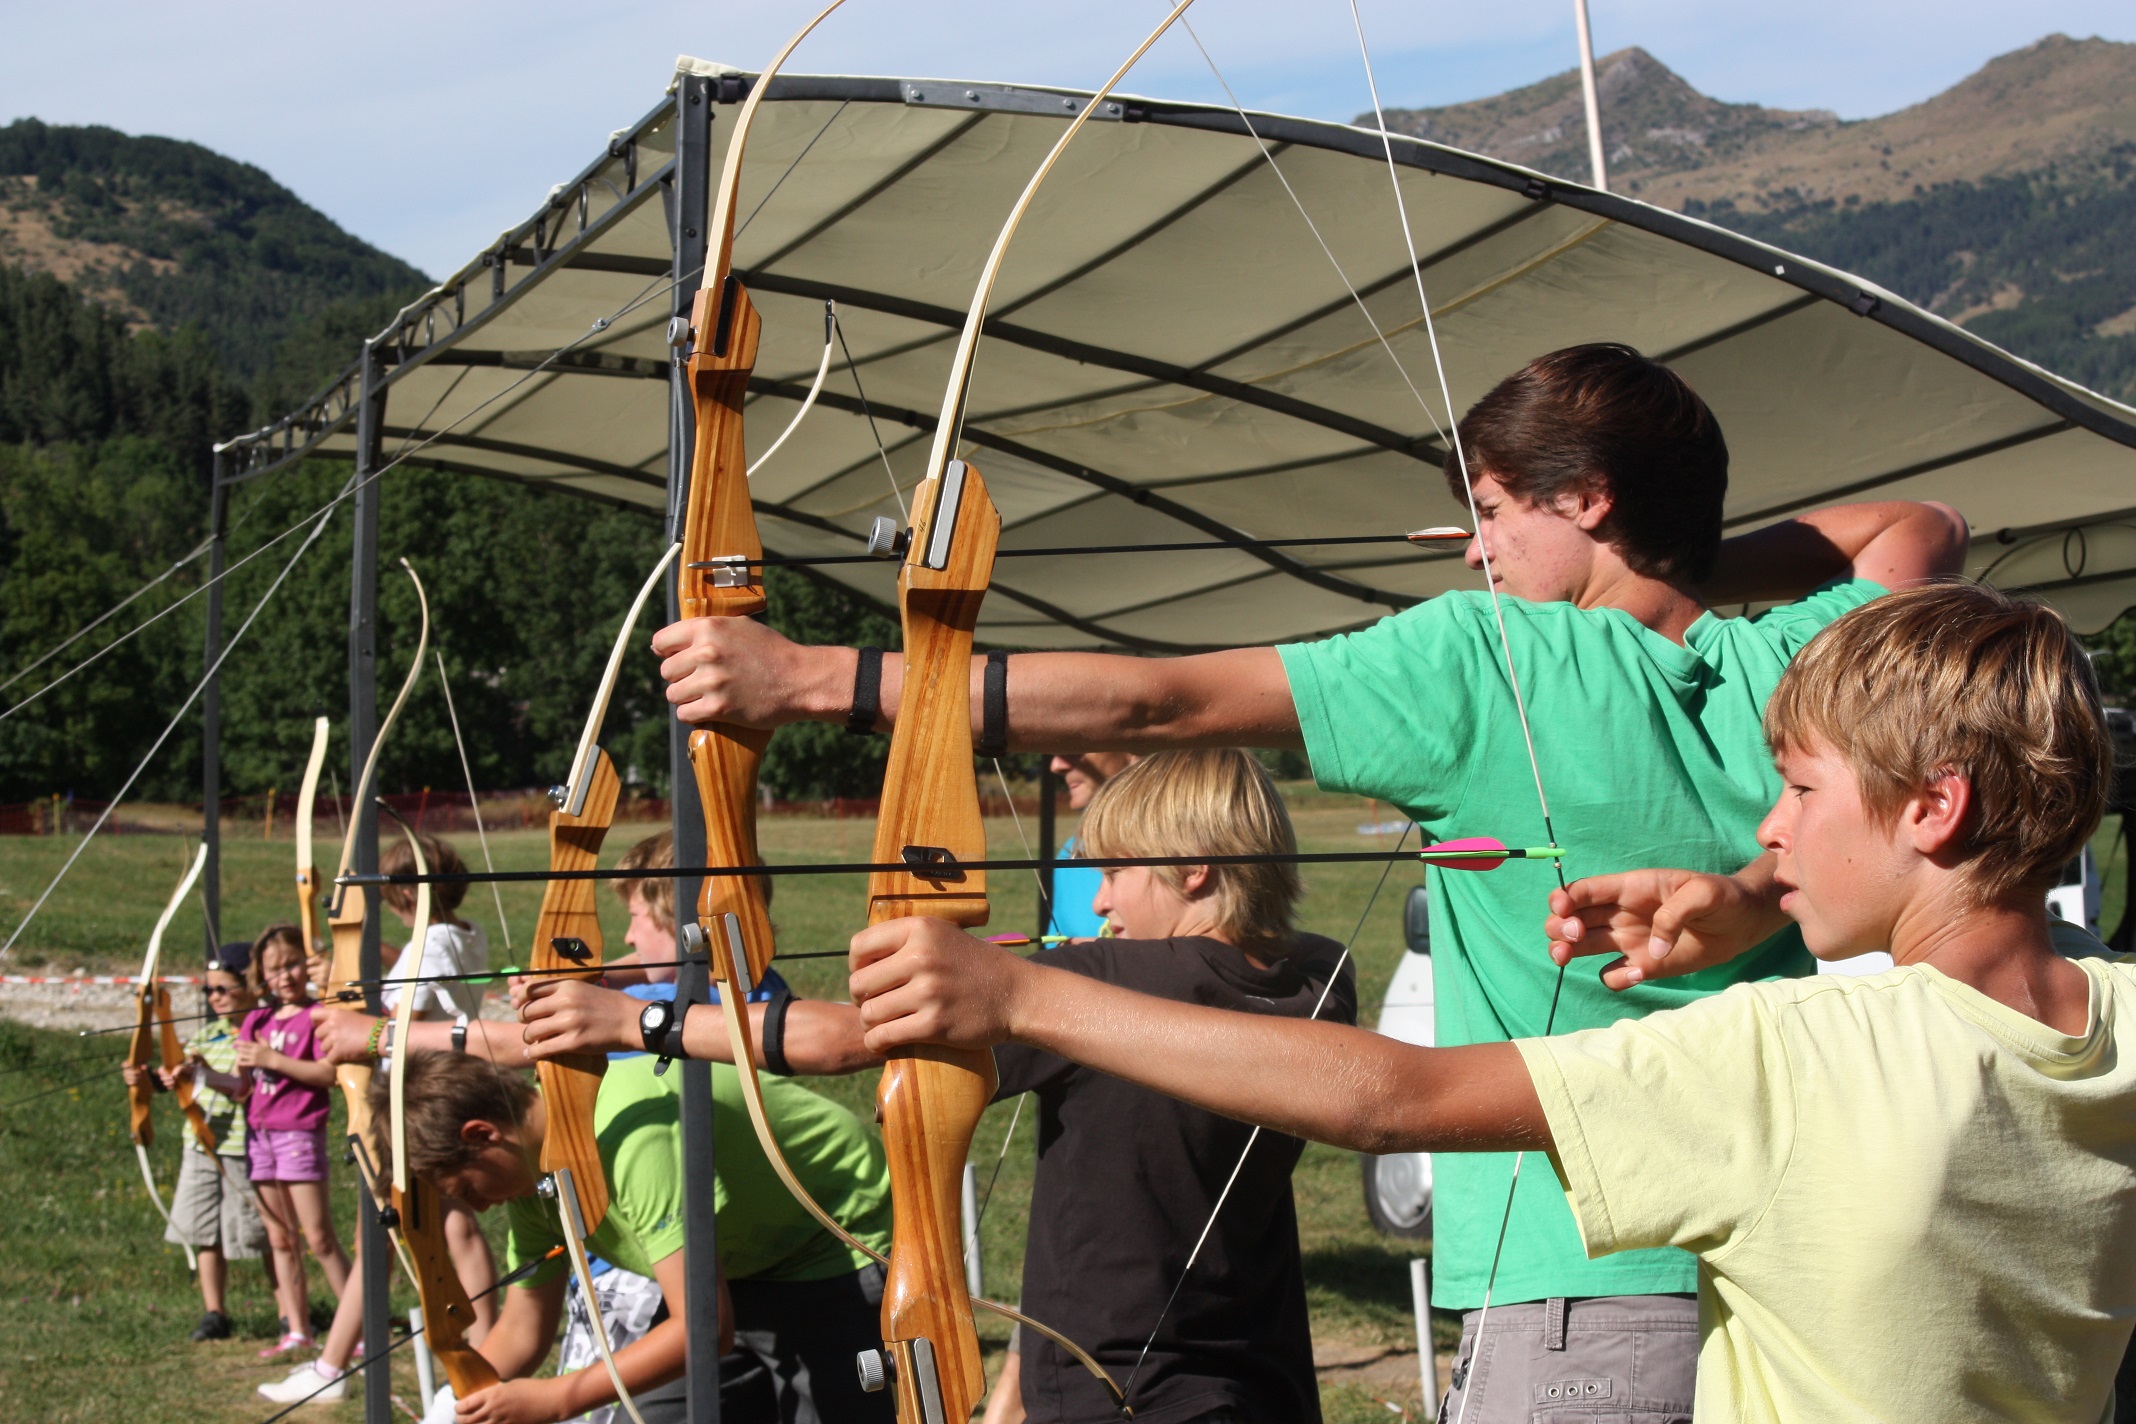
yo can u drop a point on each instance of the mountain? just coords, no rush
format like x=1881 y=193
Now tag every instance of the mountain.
x=2007 y=203
x=168 y=233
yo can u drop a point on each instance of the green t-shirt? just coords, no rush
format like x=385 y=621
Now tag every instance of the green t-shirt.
x=216 y=1043
x=764 y=1234
x=1653 y=755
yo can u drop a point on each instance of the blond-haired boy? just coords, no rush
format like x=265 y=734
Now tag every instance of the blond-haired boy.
x=1912 y=1196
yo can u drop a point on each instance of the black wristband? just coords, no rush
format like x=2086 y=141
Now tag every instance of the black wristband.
x=994 y=706
x=671 y=1041
x=773 y=1038
x=867 y=693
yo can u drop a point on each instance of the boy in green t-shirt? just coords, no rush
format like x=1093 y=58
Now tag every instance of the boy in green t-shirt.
x=1911 y=1196
x=1599 y=479
x=475 y=1131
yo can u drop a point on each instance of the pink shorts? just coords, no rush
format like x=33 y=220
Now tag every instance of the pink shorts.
x=286 y=1155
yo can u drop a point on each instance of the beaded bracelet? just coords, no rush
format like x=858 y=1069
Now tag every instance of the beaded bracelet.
x=378 y=1032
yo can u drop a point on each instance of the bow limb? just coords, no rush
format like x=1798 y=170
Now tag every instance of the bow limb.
x=348 y=907
x=951 y=421
x=307 y=871
x=152 y=1022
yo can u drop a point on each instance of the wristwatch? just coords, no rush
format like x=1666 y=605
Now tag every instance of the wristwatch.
x=654 y=1021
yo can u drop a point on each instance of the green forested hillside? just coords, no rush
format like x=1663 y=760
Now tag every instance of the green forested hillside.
x=2042 y=264
x=238 y=302
x=182 y=236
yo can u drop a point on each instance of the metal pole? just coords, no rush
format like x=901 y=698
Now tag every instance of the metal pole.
x=211 y=713
x=1049 y=790
x=1427 y=1353
x=1587 y=89
x=363 y=730
x=690 y=211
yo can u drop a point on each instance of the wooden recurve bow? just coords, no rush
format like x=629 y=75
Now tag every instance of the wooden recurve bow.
x=567 y=937
x=346 y=908
x=411 y=1208
x=153 y=1033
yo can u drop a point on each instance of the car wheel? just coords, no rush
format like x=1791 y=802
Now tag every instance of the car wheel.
x=1398 y=1193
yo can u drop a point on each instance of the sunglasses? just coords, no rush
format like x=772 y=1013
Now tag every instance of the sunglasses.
x=222 y=988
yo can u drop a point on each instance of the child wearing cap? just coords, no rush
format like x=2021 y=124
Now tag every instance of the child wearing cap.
x=214 y=1210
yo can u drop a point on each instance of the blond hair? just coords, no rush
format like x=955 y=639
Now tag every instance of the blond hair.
x=1213 y=803
x=1955 y=677
x=655 y=852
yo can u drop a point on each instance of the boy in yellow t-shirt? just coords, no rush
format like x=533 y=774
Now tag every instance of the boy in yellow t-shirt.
x=1912 y=1196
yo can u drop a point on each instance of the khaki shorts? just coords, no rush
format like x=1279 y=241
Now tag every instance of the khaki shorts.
x=213 y=1210
x=1612 y=1359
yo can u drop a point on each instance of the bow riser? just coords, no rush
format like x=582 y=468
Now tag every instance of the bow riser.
x=721 y=523
x=152 y=1004
x=930 y=1099
x=570 y=1085
x=930 y=797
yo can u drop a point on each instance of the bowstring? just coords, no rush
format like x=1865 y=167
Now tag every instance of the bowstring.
x=1505 y=644
x=474 y=802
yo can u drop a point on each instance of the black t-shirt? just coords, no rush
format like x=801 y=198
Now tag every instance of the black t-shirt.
x=1126 y=1179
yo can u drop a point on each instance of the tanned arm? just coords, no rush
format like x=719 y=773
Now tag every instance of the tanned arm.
x=571 y=1016
x=1896 y=543
x=924 y=981
x=740 y=671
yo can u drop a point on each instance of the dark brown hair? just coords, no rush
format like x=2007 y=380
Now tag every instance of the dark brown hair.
x=1605 y=418
x=397 y=859
x=446 y=1091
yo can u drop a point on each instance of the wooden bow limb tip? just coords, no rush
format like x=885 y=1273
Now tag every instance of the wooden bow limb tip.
x=153 y=1032
x=307 y=870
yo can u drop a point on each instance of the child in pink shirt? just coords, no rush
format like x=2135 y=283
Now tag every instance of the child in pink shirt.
x=285 y=1085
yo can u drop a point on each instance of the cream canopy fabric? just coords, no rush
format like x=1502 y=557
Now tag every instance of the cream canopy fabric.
x=1175 y=353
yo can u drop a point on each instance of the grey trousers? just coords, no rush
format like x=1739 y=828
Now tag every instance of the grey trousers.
x=1612 y=1359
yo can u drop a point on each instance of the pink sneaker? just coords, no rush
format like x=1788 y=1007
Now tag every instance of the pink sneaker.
x=288 y=1344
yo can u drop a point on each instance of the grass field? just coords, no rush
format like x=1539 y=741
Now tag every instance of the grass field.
x=96 y=1307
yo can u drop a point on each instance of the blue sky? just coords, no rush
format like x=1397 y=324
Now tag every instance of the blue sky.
x=427 y=128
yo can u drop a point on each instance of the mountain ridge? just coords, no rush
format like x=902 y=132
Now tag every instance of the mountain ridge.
x=170 y=233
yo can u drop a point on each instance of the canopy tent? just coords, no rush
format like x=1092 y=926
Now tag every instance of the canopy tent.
x=1173 y=356
x=1180 y=350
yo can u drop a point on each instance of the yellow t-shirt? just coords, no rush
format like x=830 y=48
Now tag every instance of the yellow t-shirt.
x=1908 y=1202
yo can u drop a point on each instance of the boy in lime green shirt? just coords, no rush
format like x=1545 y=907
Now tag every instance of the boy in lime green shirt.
x=1911 y=1196
x=1599 y=480
x=476 y=1132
